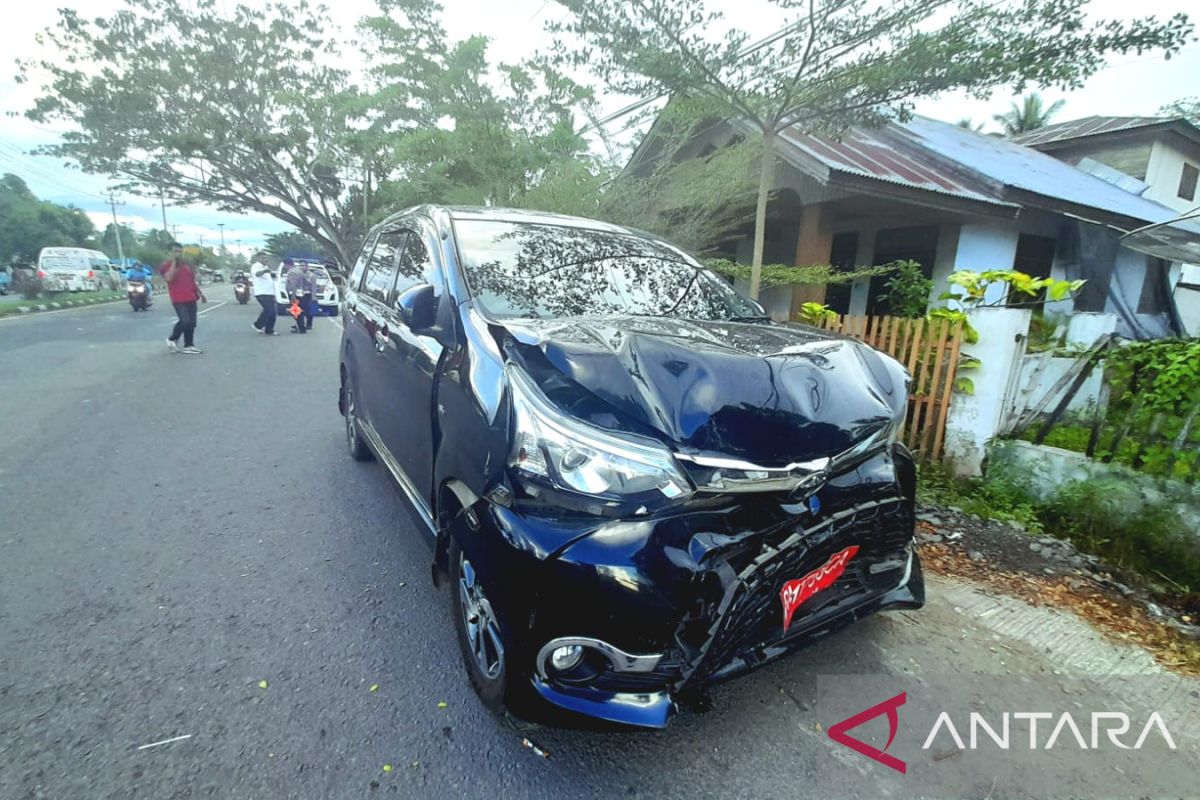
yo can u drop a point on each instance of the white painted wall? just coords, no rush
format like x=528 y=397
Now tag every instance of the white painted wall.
x=1163 y=173
x=974 y=420
x=1188 y=302
x=976 y=246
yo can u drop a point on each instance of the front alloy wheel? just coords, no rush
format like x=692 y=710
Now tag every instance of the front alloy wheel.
x=479 y=634
x=354 y=441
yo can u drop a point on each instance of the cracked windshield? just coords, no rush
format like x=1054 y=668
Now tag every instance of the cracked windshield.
x=666 y=399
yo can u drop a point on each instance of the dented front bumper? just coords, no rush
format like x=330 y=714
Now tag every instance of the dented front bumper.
x=665 y=606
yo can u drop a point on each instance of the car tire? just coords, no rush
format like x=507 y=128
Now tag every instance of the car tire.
x=480 y=635
x=359 y=451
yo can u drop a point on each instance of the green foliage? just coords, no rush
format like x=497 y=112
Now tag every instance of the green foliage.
x=1162 y=376
x=816 y=313
x=970 y=335
x=1187 y=107
x=1002 y=500
x=28 y=224
x=1101 y=517
x=1154 y=540
x=294 y=244
x=974 y=287
x=197 y=100
x=907 y=290
x=835 y=64
x=1032 y=114
x=784 y=275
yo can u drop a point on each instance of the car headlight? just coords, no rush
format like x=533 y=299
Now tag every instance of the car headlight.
x=567 y=454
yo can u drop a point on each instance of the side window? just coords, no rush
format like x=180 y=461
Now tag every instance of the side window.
x=360 y=266
x=381 y=266
x=416 y=266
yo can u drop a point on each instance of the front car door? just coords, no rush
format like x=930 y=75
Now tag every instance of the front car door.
x=366 y=322
x=412 y=360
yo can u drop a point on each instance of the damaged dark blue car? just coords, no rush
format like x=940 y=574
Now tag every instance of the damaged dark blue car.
x=634 y=483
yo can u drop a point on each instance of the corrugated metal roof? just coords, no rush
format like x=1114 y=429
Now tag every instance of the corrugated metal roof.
x=939 y=157
x=889 y=154
x=1088 y=126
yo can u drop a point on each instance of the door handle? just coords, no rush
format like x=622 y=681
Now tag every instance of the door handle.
x=382 y=335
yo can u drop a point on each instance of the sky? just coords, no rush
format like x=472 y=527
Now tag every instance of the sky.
x=1127 y=86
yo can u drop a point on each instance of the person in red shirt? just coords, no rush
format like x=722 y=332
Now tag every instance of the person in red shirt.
x=184 y=292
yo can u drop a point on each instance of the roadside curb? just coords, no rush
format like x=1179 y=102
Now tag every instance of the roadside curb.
x=56 y=306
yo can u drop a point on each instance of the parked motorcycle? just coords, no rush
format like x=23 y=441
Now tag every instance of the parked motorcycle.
x=139 y=295
x=242 y=292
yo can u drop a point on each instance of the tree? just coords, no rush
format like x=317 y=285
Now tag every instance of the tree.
x=108 y=241
x=1187 y=107
x=294 y=244
x=834 y=64
x=460 y=129
x=28 y=224
x=235 y=110
x=1030 y=115
x=969 y=124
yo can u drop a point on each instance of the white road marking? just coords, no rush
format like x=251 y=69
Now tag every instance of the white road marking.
x=166 y=741
x=337 y=322
x=214 y=308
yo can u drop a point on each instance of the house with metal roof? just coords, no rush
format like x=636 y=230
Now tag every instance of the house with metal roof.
x=953 y=199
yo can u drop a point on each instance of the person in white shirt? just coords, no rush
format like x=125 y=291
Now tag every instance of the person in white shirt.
x=264 y=291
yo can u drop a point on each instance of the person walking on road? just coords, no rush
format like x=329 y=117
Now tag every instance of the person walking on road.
x=297 y=285
x=264 y=292
x=310 y=293
x=184 y=292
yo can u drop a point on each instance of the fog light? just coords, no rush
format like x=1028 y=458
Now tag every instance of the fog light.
x=566 y=658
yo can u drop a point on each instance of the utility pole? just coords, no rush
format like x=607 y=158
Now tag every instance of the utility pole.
x=162 y=199
x=175 y=232
x=221 y=225
x=366 y=194
x=112 y=203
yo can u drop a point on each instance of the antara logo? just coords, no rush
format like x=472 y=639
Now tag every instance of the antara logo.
x=1106 y=728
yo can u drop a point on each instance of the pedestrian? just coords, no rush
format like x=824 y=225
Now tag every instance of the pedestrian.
x=297 y=285
x=310 y=293
x=184 y=292
x=264 y=292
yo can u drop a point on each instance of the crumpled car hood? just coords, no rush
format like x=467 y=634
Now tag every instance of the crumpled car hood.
x=768 y=393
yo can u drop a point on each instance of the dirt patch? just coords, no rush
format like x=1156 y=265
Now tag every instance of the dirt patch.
x=1043 y=570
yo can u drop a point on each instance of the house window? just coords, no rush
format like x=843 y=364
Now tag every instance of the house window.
x=1187 y=182
x=1035 y=257
x=917 y=244
x=843 y=251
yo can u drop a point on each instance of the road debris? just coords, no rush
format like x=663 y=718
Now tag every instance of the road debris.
x=442 y=704
x=374 y=687
x=165 y=741
x=536 y=750
x=262 y=684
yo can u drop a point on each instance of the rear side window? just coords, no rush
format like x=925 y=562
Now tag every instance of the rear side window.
x=381 y=266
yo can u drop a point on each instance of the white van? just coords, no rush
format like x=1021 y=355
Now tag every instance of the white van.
x=72 y=269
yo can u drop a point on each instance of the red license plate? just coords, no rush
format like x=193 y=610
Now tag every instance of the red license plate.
x=795 y=592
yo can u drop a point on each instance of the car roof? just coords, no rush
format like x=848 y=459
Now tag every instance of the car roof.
x=533 y=217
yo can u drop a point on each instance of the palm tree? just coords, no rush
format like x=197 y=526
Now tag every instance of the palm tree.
x=969 y=124
x=1029 y=116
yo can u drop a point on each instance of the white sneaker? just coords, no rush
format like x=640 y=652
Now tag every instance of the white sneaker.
x=172 y=346
x=193 y=351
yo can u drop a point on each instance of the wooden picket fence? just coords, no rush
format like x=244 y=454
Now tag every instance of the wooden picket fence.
x=929 y=350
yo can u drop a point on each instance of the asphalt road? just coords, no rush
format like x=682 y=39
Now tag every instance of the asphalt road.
x=176 y=529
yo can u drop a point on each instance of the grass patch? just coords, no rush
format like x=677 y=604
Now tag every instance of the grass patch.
x=1107 y=518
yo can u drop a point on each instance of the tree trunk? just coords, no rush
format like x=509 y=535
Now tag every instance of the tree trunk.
x=766 y=182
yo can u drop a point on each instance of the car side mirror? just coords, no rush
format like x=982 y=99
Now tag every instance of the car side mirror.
x=418 y=307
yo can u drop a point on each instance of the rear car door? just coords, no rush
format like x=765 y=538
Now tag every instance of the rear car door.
x=411 y=361
x=367 y=326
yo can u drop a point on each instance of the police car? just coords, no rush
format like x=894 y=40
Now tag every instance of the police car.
x=330 y=286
